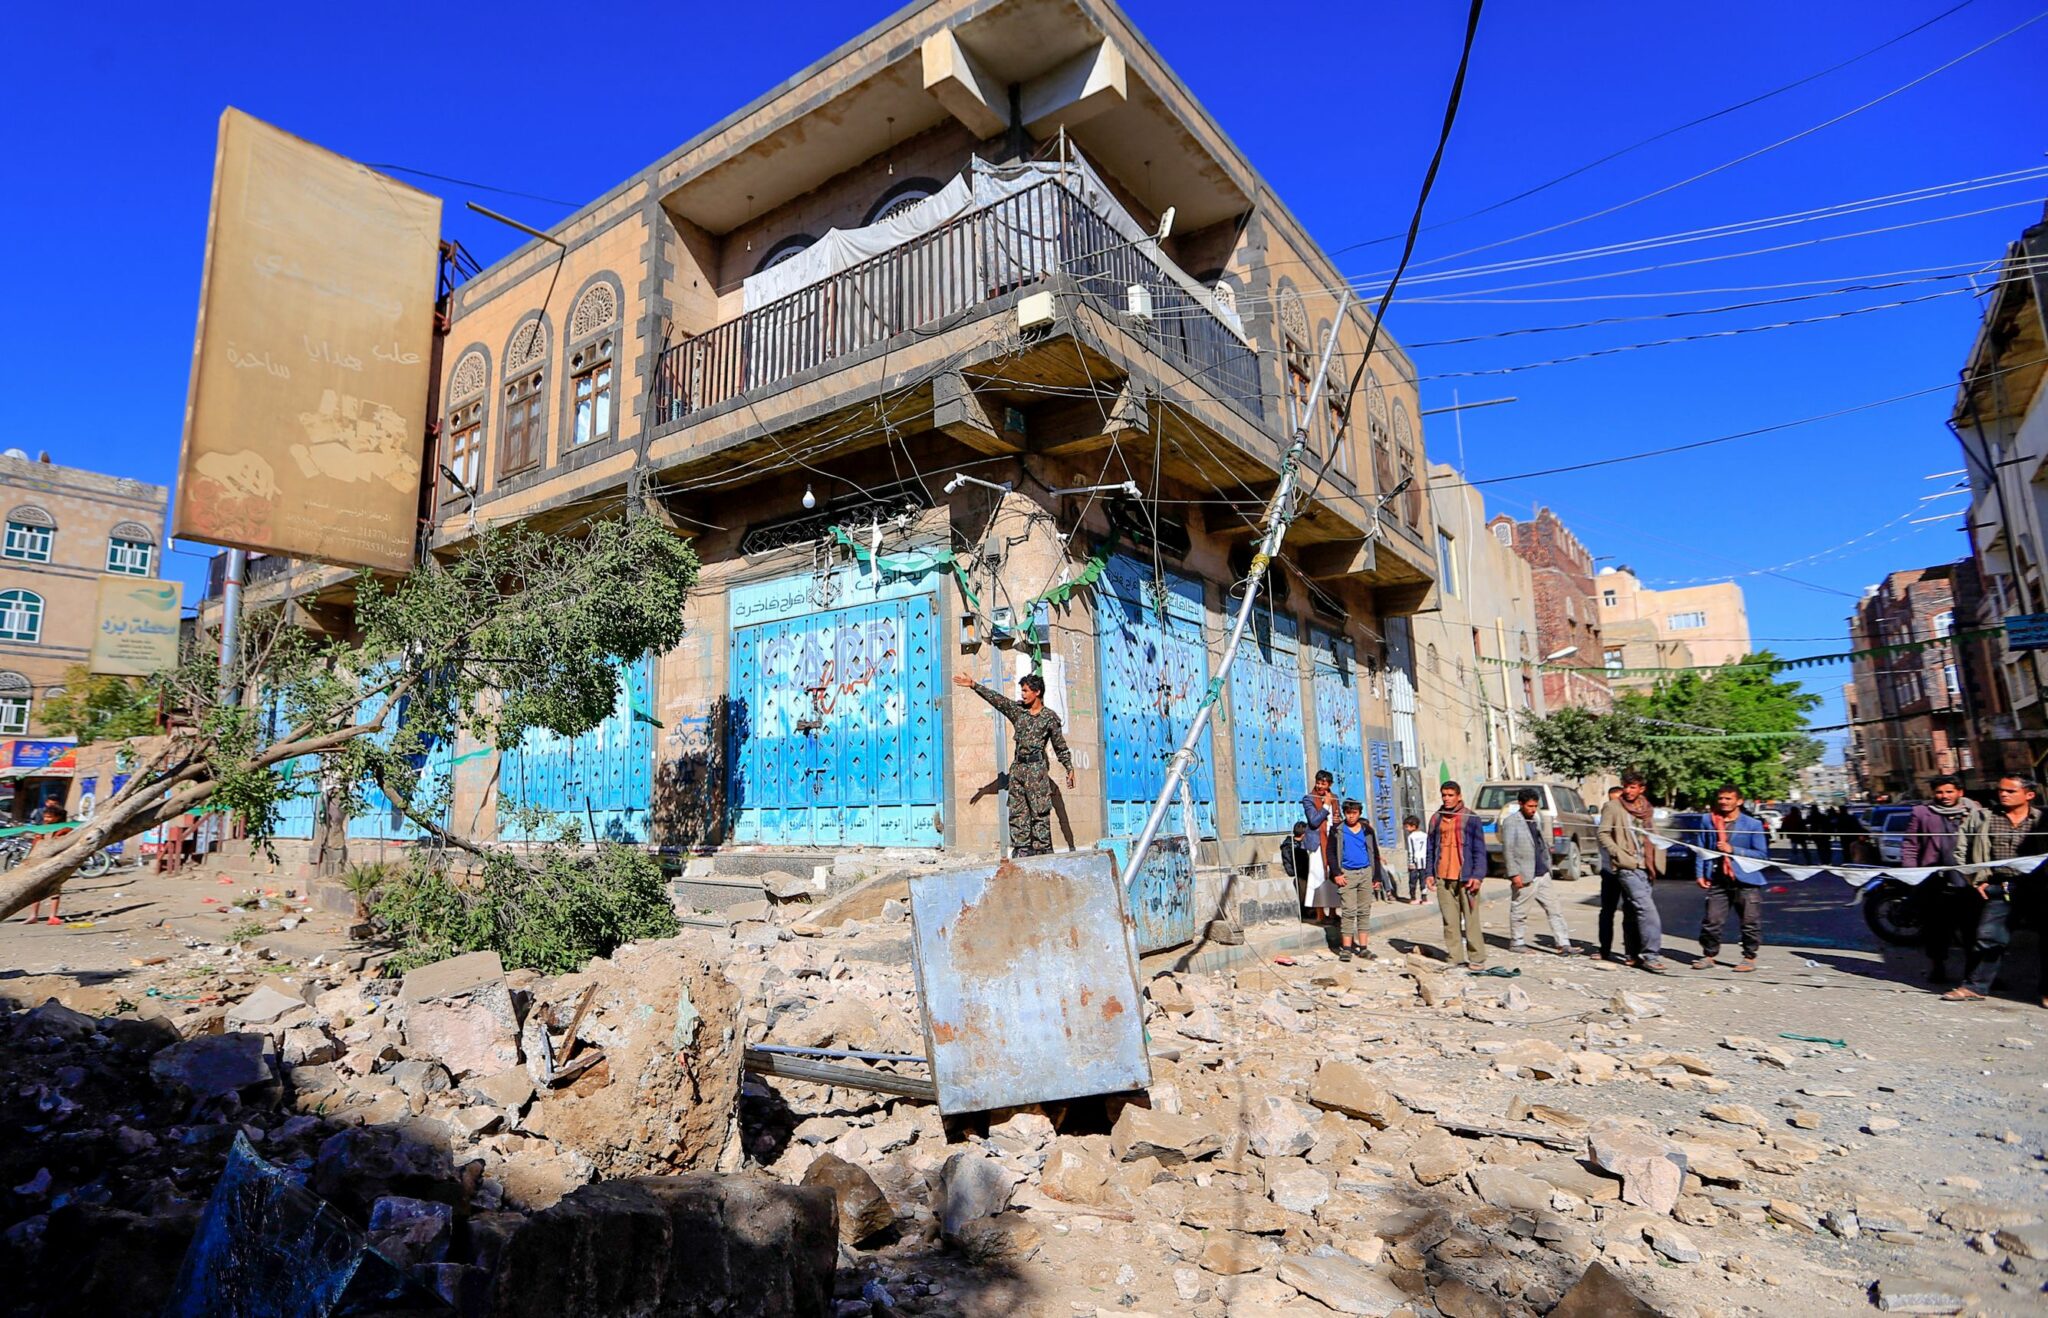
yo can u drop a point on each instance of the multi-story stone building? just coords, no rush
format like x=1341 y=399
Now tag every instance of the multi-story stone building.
x=1568 y=634
x=2001 y=422
x=1910 y=699
x=66 y=529
x=1475 y=677
x=933 y=294
x=1709 y=623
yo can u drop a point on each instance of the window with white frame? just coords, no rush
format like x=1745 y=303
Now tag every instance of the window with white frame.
x=1686 y=622
x=1614 y=661
x=21 y=616
x=29 y=541
x=1447 y=563
x=1609 y=598
x=1944 y=624
x=13 y=715
x=129 y=558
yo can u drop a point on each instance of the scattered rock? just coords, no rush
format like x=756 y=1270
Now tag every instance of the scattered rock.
x=1672 y=1243
x=2027 y=1242
x=411 y=1231
x=1299 y=1189
x=864 y=1210
x=1651 y=1168
x=1201 y=1025
x=1598 y=1293
x=1147 y=1133
x=459 y=1012
x=1536 y=1058
x=1504 y=1187
x=510 y=1089
x=1076 y=1173
x=1277 y=1128
x=1461 y=1299
x=1343 y=1284
x=1792 y=1215
x=971 y=1186
x=1905 y=1295
x=1738 y=1114
x=1348 y=1088
x=53 y=1017
x=1980 y=1216
x=212 y=1065
x=1231 y=1254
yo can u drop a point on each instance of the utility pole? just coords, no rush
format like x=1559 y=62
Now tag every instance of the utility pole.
x=231 y=620
x=1277 y=517
x=1507 y=698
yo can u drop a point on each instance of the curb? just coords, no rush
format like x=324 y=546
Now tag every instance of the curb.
x=1277 y=937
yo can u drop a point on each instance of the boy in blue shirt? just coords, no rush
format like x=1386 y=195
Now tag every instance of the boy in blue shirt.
x=1358 y=872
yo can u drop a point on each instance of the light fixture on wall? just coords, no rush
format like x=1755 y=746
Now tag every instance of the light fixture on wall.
x=810 y=499
x=891 y=121
x=750 y=216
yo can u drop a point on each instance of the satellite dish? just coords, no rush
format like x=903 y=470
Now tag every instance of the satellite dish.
x=17 y=453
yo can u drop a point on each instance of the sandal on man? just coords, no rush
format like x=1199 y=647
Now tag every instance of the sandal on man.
x=1960 y=994
x=1705 y=962
x=1745 y=968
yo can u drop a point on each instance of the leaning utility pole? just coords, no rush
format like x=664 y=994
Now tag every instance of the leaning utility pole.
x=1277 y=517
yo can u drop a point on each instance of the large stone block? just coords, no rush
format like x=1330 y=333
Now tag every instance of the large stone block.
x=674 y=1247
x=459 y=1012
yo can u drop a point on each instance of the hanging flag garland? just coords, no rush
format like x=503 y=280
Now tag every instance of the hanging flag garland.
x=1762 y=665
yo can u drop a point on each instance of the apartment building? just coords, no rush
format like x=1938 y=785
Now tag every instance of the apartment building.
x=986 y=279
x=1674 y=628
x=1570 y=644
x=1910 y=697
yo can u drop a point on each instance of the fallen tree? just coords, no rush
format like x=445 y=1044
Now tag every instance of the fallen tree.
x=523 y=631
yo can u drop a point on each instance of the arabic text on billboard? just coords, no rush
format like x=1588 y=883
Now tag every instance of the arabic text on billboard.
x=138 y=627
x=2027 y=631
x=310 y=372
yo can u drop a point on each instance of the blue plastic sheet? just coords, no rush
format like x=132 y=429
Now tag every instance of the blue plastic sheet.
x=270 y=1248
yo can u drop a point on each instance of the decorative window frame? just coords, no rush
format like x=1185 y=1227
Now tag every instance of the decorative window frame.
x=121 y=555
x=32 y=632
x=465 y=403
x=589 y=344
x=783 y=249
x=521 y=364
x=35 y=524
x=923 y=187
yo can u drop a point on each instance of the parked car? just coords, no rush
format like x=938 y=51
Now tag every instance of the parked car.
x=1574 y=829
x=1891 y=824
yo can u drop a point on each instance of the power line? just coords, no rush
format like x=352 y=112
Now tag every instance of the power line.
x=1751 y=155
x=1658 y=137
x=1476 y=297
x=479 y=187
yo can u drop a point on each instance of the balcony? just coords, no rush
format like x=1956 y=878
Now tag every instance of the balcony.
x=1040 y=233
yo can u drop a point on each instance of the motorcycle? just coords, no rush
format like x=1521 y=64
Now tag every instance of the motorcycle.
x=14 y=850
x=1899 y=913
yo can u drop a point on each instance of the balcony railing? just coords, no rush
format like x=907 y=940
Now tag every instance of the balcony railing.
x=1022 y=239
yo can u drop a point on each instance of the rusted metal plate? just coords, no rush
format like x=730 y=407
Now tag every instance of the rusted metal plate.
x=1028 y=972
x=1161 y=895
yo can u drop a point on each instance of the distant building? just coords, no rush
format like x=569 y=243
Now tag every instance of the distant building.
x=1824 y=782
x=1910 y=700
x=2001 y=422
x=1711 y=622
x=1473 y=708
x=1631 y=650
x=66 y=529
x=1568 y=633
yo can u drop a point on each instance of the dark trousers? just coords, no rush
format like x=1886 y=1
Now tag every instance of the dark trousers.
x=1747 y=902
x=1612 y=896
x=1416 y=879
x=1994 y=935
x=1948 y=919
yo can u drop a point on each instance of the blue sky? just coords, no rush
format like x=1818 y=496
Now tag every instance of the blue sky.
x=1337 y=105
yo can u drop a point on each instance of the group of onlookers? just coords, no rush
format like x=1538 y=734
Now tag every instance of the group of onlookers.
x=1974 y=909
x=1817 y=834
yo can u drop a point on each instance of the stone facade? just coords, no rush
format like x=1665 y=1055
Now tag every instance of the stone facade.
x=1918 y=694
x=1567 y=611
x=62 y=527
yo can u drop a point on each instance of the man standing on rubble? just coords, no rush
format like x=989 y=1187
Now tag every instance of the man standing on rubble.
x=1030 y=781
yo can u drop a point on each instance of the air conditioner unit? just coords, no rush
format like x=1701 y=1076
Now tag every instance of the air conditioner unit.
x=1138 y=301
x=1035 y=312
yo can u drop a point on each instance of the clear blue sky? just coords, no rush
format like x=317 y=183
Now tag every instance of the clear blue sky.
x=1337 y=105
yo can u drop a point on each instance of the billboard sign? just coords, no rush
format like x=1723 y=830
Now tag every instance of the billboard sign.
x=2026 y=631
x=310 y=371
x=138 y=627
x=23 y=753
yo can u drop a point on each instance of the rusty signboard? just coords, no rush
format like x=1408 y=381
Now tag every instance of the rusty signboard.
x=1028 y=972
x=1161 y=894
x=310 y=369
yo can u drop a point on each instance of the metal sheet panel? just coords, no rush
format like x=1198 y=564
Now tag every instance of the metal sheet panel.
x=1028 y=974
x=1383 y=794
x=1340 y=740
x=1154 y=671
x=1161 y=895
x=834 y=725
x=1265 y=725
x=601 y=780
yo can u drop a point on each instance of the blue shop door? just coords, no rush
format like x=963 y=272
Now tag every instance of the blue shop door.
x=1155 y=669
x=834 y=728
x=1340 y=741
x=1266 y=724
x=601 y=781
x=1383 y=795
x=380 y=819
x=300 y=808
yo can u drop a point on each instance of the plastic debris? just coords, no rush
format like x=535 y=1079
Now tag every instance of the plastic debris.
x=1816 y=1038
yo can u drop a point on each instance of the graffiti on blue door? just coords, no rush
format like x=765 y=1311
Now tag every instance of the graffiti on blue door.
x=1265 y=724
x=1155 y=670
x=833 y=721
x=599 y=782
x=1383 y=793
x=379 y=818
x=1340 y=742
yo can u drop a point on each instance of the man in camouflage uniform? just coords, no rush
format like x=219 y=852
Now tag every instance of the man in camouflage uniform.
x=1030 y=781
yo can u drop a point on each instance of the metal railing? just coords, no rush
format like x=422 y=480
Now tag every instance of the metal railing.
x=1030 y=236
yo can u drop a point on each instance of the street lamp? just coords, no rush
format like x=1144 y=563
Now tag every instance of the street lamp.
x=1565 y=653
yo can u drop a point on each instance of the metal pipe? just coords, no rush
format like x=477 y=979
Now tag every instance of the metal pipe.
x=1128 y=488
x=231 y=620
x=964 y=479
x=1269 y=545
x=795 y=1051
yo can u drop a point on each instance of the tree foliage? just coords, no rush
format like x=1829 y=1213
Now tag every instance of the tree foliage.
x=100 y=707
x=1677 y=734
x=520 y=631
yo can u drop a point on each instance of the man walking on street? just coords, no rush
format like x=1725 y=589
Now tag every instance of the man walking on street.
x=1359 y=873
x=1525 y=854
x=1733 y=832
x=1624 y=831
x=1611 y=893
x=1935 y=837
x=1030 y=782
x=1457 y=863
x=2012 y=831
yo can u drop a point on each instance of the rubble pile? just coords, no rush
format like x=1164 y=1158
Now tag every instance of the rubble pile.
x=410 y=1108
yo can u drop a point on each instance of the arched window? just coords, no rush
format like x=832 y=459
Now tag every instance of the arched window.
x=14 y=700
x=1379 y=432
x=524 y=436
x=593 y=336
x=464 y=455
x=783 y=250
x=21 y=616
x=1430 y=659
x=901 y=198
x=30 y=533
x=1404 y=449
